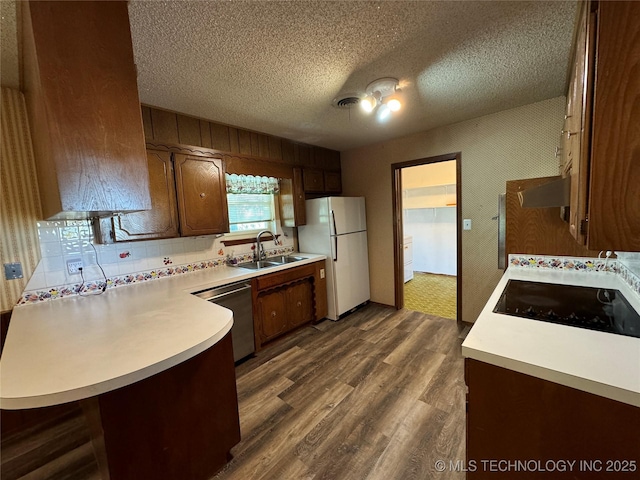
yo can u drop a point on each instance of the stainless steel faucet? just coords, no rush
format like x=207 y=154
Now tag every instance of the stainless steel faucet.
x=260 y=253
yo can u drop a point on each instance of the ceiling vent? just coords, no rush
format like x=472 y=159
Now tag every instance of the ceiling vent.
x=346 y=101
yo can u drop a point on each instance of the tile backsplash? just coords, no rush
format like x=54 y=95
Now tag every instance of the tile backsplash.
x=62 y=241
x=631 y=260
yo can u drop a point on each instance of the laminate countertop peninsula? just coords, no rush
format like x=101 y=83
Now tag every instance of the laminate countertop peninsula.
x=83 y=346
x=601 y=363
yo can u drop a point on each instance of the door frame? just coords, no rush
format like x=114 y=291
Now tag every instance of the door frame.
x=398 y=252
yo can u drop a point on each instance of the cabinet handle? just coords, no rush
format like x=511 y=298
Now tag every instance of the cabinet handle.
x=558 y=151
x=273 y=314
x=202 y=195
x=569 y=134
x=299 y=304
x=567 y=117
x=406 y=247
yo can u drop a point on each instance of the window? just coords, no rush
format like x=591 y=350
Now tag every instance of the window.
x=251 y=212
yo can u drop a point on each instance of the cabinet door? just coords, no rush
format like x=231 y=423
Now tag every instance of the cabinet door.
x=292 y=200
x=614 y=188
x=272 y=313
x=313 y=180
x=202 y=196
x=300 y=303
x=332 y=182
x=578 y=123
x=162 y=220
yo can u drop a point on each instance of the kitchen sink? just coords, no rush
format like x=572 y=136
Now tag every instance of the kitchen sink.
x=259 y=264
x=285 y=259
x=271 y=262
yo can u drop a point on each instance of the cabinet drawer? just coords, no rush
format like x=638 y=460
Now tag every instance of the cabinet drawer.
x=279 y=278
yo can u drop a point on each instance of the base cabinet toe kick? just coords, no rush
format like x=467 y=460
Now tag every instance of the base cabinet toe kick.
x=179 y=423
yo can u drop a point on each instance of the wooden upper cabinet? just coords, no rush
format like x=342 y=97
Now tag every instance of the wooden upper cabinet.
x=202 y=197
x=614 y=176
x=292 y=200
x=332 y=182
x=602 y=128
x=84 y=111
x=313 y=180
x=577 y=125
x=162 y=220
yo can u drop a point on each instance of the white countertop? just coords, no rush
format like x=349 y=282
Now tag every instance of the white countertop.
x=601 y=363
x=77 y=347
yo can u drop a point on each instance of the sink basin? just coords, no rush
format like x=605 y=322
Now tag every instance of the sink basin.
x=271 y=262
x=259 y=264
x=285 y=259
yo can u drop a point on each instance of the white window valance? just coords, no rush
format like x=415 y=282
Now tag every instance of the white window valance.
x=251 y=184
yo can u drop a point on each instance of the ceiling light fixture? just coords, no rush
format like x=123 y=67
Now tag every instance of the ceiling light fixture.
x=382 y=93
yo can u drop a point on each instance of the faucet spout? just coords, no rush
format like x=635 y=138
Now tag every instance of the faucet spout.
x=260 y=255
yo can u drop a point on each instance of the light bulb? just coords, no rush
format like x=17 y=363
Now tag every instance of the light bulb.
x=394 y=104
x=384 y=112
x=368 y=103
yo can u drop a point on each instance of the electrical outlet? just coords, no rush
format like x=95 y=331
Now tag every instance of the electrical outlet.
x=12 y=271
x=322 y=273
x=74 y=265
x=466 y=224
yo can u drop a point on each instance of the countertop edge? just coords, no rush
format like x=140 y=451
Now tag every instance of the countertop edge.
x=181 y=286
x=527 y=341
x=115 y=383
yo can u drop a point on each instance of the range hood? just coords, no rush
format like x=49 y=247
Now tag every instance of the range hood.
x=555 y=193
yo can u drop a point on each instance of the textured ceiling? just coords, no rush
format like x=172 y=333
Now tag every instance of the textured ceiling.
x=275 y=66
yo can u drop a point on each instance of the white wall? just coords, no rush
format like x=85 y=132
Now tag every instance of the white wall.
x=434 y=239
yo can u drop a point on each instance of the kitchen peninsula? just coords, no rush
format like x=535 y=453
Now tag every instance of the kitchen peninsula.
x=151 y=363
x=540 y=390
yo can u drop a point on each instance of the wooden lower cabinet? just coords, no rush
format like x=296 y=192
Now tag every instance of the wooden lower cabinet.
x=179 y=423
x=272 y=313
x=300 y=302
x=285 y=300
x=516 y=417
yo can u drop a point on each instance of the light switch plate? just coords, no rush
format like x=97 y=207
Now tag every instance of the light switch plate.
x=12 y=271
x=466 y=224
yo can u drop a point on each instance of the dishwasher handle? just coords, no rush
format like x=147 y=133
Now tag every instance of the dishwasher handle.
x=212 y=296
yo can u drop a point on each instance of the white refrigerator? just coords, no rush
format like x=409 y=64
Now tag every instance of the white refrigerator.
x=337 y=227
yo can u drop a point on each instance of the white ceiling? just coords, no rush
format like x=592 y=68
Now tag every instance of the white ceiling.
x=276 y=66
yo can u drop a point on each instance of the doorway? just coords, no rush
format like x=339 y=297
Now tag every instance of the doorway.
x=427 y=239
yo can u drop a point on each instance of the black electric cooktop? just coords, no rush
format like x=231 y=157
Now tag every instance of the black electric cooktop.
x=601 y=309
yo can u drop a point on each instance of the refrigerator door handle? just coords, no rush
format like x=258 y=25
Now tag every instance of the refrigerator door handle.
x=335 y=255
x=333 y=217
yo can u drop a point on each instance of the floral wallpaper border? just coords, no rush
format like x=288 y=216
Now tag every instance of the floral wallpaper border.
x=582 y=264
x=88 y=288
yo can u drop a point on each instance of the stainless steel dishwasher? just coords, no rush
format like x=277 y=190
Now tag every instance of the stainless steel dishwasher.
x=237 y=298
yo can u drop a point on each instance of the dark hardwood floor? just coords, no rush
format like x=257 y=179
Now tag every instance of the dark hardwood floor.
x=378 y=395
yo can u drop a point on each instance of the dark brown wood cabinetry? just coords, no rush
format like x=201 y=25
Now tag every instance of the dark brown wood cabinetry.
x=512 y=416
x=84 y=111
x=179 y=423
x=188 y=195
x=162 y=220
x=266 y=154
x=292 y=200
x=286 y=300
x=202 y=197
x=602 y=129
